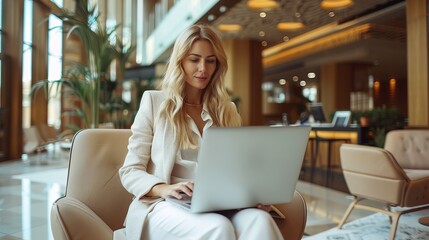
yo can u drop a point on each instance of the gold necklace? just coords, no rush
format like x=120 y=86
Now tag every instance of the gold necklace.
x=193 y=104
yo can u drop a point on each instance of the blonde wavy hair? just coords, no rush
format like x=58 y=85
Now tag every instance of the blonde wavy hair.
x=215 y=96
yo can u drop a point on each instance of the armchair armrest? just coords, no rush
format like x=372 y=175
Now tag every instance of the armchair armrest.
x=295 y=212
x=72 y=219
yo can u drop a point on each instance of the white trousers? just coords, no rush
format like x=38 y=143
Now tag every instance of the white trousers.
x=167 y=221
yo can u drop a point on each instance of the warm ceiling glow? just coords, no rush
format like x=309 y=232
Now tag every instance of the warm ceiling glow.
x=229 y=27
x=289 y=26
x=262 y=4
x=335 y=4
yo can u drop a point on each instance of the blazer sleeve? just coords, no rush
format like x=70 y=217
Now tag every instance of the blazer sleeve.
x=135 y=172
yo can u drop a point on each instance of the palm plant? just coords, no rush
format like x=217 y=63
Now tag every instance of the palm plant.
x=83 y=80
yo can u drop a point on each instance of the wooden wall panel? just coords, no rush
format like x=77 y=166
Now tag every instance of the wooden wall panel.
x=418 y=77
x=12 y=46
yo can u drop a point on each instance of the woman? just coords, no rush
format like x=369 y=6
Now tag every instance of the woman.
x=163 y=148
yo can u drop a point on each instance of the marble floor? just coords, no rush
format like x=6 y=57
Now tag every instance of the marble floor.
x=25 y=203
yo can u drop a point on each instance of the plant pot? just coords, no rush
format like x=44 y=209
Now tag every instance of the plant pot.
x=364 y=121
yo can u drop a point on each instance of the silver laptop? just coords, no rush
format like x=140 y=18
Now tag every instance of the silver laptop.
x=340 y=119
x=244 y=166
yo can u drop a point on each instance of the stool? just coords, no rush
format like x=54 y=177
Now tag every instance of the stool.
x=309 y=155
x=318 y=140
x=424 y=221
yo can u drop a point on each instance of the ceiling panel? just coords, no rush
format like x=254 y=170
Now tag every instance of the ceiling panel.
x=307 y=11
x=375 y=50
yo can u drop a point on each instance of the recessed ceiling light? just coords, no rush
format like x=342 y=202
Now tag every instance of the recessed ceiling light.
x=222 y=9
x=229 y=27
x=262 y=4
x=211 y=17
x=335 y=4
x=289 y=26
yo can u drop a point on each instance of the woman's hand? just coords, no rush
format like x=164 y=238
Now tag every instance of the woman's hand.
x=175 y=190
x=266 y=208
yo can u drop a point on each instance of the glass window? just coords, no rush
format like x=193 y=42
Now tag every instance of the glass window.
x=127 y=23
x=1 y=27
x=1 y=80
x=26 y=64
x=140 y=42
x=55 y=49
x=59 y=3
x=310 y=93
x=92 y=3
x=1 y=50
x=111 y=14
x=111 y=22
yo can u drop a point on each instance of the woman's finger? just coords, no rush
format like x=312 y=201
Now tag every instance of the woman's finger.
x=266 y=208
x=187 y=188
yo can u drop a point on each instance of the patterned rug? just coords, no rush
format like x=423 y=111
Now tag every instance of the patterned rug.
x=377 y=227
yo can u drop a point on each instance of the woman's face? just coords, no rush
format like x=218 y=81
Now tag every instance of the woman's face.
x=199 y=65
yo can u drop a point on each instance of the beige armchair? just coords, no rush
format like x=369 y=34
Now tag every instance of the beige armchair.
x=396 y=175
x=95 y=203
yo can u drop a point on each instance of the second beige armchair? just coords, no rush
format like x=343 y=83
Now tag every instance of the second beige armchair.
x=396 y=175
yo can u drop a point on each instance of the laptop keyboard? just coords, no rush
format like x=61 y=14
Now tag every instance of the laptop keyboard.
x=185 y=198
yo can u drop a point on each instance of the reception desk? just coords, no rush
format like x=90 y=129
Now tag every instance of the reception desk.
x=323 y=166
x=356 y=133
x=324 y=143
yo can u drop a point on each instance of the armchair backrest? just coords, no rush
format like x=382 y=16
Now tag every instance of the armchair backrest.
x=95 y=158
x=410 y=147
x=371 y=161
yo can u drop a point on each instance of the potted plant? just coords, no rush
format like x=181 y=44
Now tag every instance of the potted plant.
x=364 y=118
x=384 y=120
x=361 y=117
x=82 y=82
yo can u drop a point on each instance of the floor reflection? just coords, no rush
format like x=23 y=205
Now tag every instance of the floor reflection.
x=26 y=198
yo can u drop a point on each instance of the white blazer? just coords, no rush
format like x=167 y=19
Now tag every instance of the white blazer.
x=151 y=155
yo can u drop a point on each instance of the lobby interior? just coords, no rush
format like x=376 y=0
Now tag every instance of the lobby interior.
x=365 y=56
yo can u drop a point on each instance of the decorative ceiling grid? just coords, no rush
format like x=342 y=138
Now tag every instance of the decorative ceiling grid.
x=306 y=11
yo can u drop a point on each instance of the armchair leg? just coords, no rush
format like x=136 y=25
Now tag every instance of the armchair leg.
x=394 y=226
x=349 y=210
x=388 y=208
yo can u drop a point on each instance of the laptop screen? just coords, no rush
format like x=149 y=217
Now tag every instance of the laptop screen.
x=316 y=110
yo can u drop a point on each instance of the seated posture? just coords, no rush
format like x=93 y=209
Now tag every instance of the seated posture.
x=163 y=148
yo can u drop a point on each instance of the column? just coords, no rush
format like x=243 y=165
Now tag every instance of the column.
x=12 y=46
x=336 y=83
x=39 y=103
x=418 y=77
x=244 y=78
